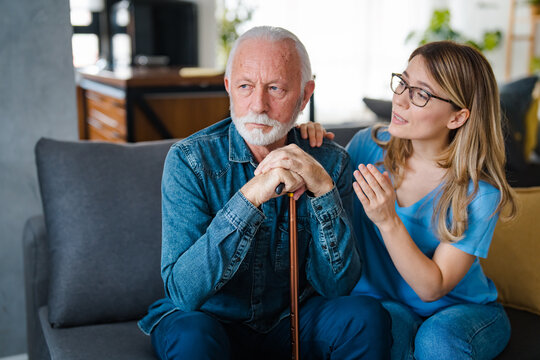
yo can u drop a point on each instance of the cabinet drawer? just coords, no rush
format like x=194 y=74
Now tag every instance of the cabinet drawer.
x=110 y=111
x=97 y=131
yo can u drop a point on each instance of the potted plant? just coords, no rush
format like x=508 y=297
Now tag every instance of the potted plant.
x=228 y=22
x=439 y=29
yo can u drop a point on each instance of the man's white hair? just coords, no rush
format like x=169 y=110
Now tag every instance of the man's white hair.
x=274 y=34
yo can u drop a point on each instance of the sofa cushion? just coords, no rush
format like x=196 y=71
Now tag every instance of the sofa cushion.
x=524 y=342
x=102 y=208
x=512 y=262
x=118 y=341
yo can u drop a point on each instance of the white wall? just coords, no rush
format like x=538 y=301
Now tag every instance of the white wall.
x=37 y=98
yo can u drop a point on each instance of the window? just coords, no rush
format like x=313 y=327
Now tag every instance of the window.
x=355 y=45
x=84 y=15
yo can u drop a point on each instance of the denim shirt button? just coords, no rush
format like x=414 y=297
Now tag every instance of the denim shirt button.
x=318 y=207
x=333 y=244
x=323 y=246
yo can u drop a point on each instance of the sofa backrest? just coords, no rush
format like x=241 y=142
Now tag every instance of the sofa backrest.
x=102 y=208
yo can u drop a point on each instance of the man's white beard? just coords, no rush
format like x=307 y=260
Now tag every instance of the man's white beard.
x=256 y=136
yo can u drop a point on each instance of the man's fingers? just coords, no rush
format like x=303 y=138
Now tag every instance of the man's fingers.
x=291 y=180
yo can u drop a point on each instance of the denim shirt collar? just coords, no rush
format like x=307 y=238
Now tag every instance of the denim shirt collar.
x=239 y=150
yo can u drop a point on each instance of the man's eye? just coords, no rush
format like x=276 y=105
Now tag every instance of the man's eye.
x=276 y=89
x=244 y=86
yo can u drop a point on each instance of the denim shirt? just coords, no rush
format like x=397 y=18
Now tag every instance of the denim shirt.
x=225 y=257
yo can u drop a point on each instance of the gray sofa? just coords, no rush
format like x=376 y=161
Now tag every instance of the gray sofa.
x=92 y=259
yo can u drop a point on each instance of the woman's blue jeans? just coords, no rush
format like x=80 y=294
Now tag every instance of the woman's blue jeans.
x=464 y=331
x=348 y=327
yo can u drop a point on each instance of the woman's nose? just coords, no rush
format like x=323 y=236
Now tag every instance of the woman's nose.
x=403 y=100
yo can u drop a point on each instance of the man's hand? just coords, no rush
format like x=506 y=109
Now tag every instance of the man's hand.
x=262 y=187
x=296 y=160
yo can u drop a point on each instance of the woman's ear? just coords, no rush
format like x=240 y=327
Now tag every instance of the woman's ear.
x=458 y=119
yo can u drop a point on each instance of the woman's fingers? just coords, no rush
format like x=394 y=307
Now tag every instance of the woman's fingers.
x=315 y=133
x=382 y=180
x=360 y=194
x=368 y=174
x=303 y=131
x=312 y=135
x=364 y=185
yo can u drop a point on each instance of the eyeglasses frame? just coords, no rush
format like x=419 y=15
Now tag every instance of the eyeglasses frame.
x=408 y=87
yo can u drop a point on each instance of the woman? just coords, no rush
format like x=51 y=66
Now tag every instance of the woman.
x=431 y=186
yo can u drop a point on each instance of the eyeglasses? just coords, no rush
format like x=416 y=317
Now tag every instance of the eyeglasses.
x=418 y=96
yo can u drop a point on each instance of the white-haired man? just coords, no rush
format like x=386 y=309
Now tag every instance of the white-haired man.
x=225 y=230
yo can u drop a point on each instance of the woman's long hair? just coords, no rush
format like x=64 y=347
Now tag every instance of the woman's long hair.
x=476 y=149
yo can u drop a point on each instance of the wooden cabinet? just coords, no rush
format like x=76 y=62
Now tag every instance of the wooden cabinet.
x=148 y=104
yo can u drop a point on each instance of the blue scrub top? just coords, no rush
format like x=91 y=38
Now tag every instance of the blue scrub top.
x=380 y=277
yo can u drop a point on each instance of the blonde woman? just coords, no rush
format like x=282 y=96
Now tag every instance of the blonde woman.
x=430 y=188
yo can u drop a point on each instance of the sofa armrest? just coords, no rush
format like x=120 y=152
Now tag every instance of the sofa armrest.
x=36 y=280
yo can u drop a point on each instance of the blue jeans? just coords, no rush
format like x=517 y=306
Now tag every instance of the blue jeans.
x=348 y=327
x=464 y=331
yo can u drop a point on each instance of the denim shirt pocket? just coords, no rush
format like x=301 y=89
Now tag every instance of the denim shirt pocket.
x=281 y=255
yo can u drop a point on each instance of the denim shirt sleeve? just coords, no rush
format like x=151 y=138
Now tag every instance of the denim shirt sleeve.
x=334 y=263
x=200 y=251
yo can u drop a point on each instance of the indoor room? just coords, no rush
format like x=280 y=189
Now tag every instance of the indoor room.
x=95 y=92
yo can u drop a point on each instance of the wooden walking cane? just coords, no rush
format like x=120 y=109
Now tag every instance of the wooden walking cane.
x=293 y=250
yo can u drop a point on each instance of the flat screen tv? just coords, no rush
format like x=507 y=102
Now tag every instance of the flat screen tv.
x=154 y=32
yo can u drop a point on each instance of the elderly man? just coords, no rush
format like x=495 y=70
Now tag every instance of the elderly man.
x=225 y=255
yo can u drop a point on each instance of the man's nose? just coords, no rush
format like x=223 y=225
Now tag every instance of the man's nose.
x=259 y=100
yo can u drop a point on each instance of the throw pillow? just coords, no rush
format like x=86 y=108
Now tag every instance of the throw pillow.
x=381 y=108
x=102 y=208
x=531 y=129
x=516 y=98
x=512 y=262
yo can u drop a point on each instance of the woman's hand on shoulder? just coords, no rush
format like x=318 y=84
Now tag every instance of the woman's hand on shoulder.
x=315 y=132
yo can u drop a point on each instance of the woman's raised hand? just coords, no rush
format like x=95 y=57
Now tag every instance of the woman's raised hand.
x=377 y=195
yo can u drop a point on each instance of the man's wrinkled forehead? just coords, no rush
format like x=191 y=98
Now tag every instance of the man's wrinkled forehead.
x=274 y=58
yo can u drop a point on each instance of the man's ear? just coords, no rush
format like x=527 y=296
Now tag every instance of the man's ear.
x=227 y=84
x=308 y=91
x=458 y=119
